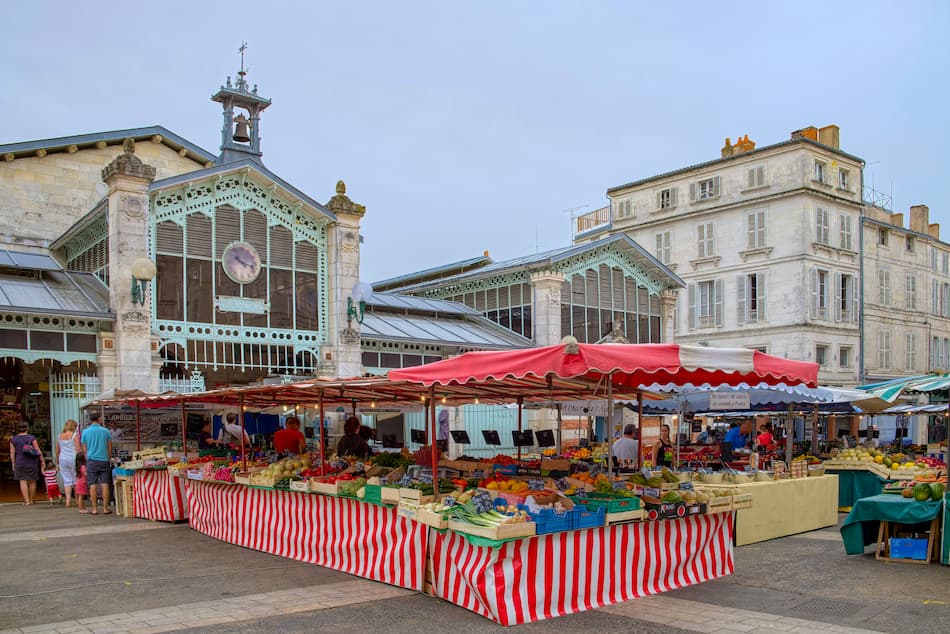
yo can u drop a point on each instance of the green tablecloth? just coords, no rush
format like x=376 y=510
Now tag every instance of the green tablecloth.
x=945 y=556
x=861 y=526
x=856 y=484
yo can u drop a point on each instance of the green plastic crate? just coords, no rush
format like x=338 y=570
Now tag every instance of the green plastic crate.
x=611 y=503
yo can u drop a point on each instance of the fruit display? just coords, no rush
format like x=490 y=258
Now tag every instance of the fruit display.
x=579 y=453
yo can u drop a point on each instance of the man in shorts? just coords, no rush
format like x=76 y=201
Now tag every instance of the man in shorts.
x=97 y=445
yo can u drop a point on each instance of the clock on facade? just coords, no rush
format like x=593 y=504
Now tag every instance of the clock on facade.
x=241 y=262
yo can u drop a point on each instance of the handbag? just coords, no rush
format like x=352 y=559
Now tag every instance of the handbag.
x=30 y=450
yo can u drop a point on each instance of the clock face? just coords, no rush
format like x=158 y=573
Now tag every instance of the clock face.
x=241 y=262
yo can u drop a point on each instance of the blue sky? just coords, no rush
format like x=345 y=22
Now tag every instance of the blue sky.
x=473 y=126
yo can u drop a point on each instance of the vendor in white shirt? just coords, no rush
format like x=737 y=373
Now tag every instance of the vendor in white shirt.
x=627 y=449
x=234 y=428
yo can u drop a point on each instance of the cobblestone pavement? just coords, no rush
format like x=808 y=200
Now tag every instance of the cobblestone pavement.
x=63 y=572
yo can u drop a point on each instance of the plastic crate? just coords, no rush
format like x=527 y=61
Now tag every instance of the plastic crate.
x=585 y=517
x=550 y=521
x=373 y=493
x=505 y=469
x=906 y=548
x=611 y=504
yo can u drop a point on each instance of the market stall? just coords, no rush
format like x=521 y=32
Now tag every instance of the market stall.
x=158 y=495
x=552 y=575
x=671 y=542
x=854 y=484
x=786 y=507
x=863 y=527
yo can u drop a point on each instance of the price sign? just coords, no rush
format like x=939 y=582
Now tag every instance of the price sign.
x=359 y=466
x=562 y=484
x=482 y=502
x=619 y=485
x=535 y=485
x=405 y=481
x=686 y=486
x=425 y=478
x=448 y=501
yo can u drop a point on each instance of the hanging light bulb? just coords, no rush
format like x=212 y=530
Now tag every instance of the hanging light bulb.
x=372 y=404
x=444 y=399
x=422 y=397
x=476 y=400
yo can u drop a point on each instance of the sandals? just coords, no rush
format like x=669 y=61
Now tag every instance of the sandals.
x=107 y=512
x=84 y=511
x=94 y=512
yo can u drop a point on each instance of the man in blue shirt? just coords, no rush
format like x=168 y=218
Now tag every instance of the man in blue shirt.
x=97 y=445
x=738 y=437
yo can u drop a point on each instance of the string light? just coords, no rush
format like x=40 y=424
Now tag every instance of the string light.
x=372 y=404
x=444 y=399
x=476 y=400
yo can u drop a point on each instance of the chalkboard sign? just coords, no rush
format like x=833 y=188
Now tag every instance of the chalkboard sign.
x=522 y=438
x=491 y=437
x=169 y=430
x=862 y=433
x=545 y=438
x=417 y=435
x=194 y=424
x=461 y=437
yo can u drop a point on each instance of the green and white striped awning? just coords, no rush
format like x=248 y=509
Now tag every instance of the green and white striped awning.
x=890 y=391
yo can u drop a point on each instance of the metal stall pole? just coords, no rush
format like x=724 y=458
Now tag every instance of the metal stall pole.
x=241 y=416
x=640 y=427
x=560 y=424
x=433 y=444
x=814 y=432
x=184 y=424
x=609 y=424
x=789 y=435
x=138 y=425
x=520 y=414
x=322 y=414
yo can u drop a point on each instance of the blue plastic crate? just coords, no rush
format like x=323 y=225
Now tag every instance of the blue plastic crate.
x=550 y=521
x=585 y=517
x=905 y=548
x=505 y=469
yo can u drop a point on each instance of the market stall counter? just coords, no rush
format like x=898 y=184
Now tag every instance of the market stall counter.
x=862 y=526
x=855 y=484
x=159 y=495
x=786 y=507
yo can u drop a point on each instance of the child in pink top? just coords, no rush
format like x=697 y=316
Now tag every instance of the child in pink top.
x=82 y=486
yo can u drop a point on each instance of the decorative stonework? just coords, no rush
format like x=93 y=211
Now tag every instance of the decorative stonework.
x=134 y=316
x=348 y=241
x=127 y=164
x=350 y=336
x=132 y=206
x=341 y=203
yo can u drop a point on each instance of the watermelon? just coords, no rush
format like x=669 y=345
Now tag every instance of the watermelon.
x=922 y=492
x=937 y=490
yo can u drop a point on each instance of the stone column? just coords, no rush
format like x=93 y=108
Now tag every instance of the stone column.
x=546 y=307
x=667 y=311
x=346 y=358
x=135 y=353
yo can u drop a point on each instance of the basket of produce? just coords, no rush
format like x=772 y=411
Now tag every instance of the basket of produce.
x=478 y=516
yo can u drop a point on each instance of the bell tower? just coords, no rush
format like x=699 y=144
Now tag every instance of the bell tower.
x=243 y=140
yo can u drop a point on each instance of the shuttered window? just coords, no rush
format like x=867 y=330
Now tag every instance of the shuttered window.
x=750 y=298
x=705 y=240
x=755 y=222
x=755 y=177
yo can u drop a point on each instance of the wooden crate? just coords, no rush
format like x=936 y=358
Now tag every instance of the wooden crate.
x=124 y=497
x=718 y=505
x=429 y=518
x=262 y=480
x=389 y=495
x=244 y=477
x=413 y=496
x=300 y=485
x=326 y=488
x=741 y=501
x=502 y=531
x=623 y=516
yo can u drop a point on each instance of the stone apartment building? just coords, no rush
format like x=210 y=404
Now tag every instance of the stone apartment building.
x=780 y=253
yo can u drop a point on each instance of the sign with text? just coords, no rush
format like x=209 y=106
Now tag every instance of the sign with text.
x=729 y=400
x=584 y=408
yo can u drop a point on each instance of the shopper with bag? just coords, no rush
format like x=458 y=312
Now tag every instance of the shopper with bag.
x=27 y=460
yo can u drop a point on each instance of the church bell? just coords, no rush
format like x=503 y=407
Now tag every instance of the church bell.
x=240 y=129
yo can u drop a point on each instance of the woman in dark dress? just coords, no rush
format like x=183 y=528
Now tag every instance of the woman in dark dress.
x=663 y=449
x=27 y=460
x=352 y=444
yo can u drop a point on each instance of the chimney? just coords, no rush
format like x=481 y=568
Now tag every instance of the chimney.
x=743 y=145
x=828 y=135
x=727 y=148
x=919 y=218
x=811 y=132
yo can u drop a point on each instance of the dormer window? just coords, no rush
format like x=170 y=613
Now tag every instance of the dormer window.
x=704 y=189
x=844 y=179
x=820 y=169
x=666 y=198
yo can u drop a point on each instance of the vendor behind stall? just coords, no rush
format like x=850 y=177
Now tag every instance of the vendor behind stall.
x=235 y=430
x=206 y=439
x=352 y=444
x=738 y=437
x=290 y=439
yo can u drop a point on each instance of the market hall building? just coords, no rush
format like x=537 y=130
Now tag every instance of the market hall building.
x=136 y=260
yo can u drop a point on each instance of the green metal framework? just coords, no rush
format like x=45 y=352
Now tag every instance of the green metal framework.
x=88 y=250
x=241 y=346
x=54 y=337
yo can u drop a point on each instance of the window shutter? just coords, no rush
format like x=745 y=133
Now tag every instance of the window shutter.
x=692 y=307
x=814 y=293
x=837 y=296
x=711 y=239
x=761 y=297
x=673 y=196
x=692 y=191
x=750 y=231
x=701 y=243
x=760 y=175
x=750 y=181
x=715 y=186
x=717 y=291
x=741 y=292
x=659 y=200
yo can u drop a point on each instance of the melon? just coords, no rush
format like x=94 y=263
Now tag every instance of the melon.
x=937 y=490
x=922 y=492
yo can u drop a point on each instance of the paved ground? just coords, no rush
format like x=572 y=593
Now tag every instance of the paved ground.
x=69 y=573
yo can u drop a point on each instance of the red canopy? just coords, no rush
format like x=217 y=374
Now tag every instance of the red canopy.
x=657 y=367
